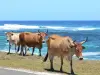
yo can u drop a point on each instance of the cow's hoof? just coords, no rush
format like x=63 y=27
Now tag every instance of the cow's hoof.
x=72 y=73
x=52 y=69
x=23 y=54
x=40 y=55
x=32 y=54
x=8 y=53
x=61 y=70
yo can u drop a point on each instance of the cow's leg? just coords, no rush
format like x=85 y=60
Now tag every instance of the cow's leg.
x=46 y=57
x=15 y=48
x=71 y=65
x=51 y=62
x=33 y=50
x=22 y=52
x=61 y=64
x=25 y=50
x=18 y=48
x=39 y=52
x=9 y=48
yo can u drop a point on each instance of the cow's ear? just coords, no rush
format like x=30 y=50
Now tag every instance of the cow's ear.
x=83 y=47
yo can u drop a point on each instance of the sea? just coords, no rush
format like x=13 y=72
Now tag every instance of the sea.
x=78 y=30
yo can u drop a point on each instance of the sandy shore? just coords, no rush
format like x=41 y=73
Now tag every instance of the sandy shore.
x=35 y=63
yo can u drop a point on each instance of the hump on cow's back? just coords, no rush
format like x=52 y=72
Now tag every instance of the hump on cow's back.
x=54 y=36
x=27 y=33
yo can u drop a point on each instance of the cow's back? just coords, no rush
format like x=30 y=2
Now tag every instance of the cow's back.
x=29 y=39
x=58 y=45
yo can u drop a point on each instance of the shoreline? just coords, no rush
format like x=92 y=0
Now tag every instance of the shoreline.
x=29 y=52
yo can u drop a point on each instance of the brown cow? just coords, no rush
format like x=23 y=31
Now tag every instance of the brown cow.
x=63 y=47
x=32 y=40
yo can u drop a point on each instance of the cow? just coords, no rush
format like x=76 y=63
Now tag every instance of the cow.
x=32 y=40
x=12 y=39
x=63 y=47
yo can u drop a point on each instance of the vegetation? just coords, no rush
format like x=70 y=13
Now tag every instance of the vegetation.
x=35 y=63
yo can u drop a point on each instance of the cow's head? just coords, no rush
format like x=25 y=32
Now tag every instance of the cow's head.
x=43 y=35
x=8 y=35
x=79 y=48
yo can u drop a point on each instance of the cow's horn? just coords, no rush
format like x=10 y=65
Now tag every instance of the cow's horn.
x=84 y=40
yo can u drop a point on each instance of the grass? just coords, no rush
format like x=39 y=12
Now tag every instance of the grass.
x=35 y=63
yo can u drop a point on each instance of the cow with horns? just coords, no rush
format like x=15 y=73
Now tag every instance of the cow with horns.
x=32 y=40
x=63 y=47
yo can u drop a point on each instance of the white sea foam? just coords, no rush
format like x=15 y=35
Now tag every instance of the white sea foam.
x=84 y=28
x=6 y=43
x=18 y=27
x=91 y=53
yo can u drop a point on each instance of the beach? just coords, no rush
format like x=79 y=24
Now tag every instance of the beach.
x=35 y=63
x=49 y=28
x=77 y=30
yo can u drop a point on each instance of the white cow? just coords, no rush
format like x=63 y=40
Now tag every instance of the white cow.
x=13 y=39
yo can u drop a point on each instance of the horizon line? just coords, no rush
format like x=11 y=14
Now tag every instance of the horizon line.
x=49 y=20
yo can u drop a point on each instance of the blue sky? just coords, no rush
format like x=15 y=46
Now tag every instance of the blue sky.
x=49 y=9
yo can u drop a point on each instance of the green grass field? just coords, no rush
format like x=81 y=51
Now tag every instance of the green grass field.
x=35 y=63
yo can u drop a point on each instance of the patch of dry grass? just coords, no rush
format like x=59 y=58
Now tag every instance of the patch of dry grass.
x=35 y=63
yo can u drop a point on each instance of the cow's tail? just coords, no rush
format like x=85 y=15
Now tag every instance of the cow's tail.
x=45 y=59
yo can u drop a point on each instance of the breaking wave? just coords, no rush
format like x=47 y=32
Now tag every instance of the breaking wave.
x=18 y=27
x=91 y=53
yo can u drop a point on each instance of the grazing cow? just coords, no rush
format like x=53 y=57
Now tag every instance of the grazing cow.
x=63 y=47
x=32 y=40
x=13 y=39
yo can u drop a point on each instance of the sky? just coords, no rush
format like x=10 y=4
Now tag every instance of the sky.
x=49 y=9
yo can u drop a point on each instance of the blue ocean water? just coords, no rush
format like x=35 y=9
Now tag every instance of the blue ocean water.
x=78 y=30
